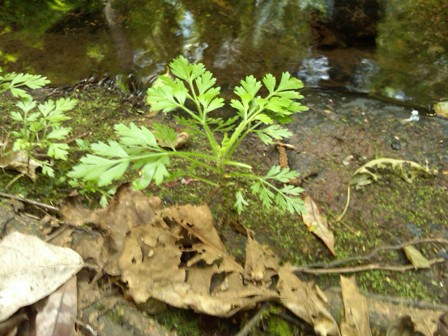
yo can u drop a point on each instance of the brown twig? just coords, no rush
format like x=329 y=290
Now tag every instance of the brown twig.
x=329 y=267
x=362 y=268
x=21 y=199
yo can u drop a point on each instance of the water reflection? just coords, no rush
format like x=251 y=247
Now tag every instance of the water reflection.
x=328 y=43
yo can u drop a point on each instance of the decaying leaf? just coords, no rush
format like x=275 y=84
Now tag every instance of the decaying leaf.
x=127 y=210
x=403 y=327
x=368 y=173
x=356 y=319
x=30 y=269
x=175 y=255
x=442 y=325
x=415 y=257
x=317 y=224
x=305 y=301
x=261 y=263
x=56 y=314
x=21 y=162
x=441 y=108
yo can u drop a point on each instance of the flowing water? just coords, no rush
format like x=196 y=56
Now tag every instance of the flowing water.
x=390 y=49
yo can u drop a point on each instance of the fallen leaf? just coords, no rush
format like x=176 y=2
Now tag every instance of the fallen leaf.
x=175 y=255
x=317 y=224
x=402 y=327
x=261 y=263
x=442 y=325
x=56 y=314
x=416 y=258
x=21 y=162
x=356 y=319
x=30 y=269
x=441 y=108
x=368 y=173
x=127 y=209
x=305 y=301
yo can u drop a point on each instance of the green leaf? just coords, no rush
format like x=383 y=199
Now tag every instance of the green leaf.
x=250 y=85
x=281 y=174
x=263 y=193
x=26 y=105
x=165 y=133
x=58 y=151
x=59 y=133
x=240 y=202
x=65 y=104
x=269 y=81
x=240 y=106
x=161 y=98
x=99 y=169
x=31 y=81
x=112 y=149
x=47 y=169
x=135 y=136
x=180 y=67
x=16 y=116
x=289 y=83
x=265 y=119
x=271 y=133
x=205 y=82
x=153 y=171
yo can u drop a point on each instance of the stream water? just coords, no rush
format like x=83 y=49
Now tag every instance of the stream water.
x=389 y=49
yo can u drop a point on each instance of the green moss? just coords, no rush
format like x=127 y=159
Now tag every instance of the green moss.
x=183 y=322
x=278 y=327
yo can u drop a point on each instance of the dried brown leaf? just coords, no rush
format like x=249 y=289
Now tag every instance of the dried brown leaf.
x=127 y=209
x=56 y=314
x=356 y=320
x=261 y=263
x=317 y=224
x=403 y=327
x=305 y=301
x=21 y=162
x=175 y=255
x=442 y=325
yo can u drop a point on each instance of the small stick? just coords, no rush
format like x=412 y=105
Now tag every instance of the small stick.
x=369 y=267
x=253 y=321
x=39 y=204
x=378 y=249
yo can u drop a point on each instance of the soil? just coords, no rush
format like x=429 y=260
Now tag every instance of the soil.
x=339 y=133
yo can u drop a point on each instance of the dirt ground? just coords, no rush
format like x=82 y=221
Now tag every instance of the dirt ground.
x=339 y=134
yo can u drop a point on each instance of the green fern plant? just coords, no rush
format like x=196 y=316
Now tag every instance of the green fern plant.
x=39 y=126
x=191 y=89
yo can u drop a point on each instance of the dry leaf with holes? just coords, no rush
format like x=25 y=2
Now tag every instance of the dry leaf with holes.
x=356 y=317
x=30 y=269
x=175 y=255
x=317 y=224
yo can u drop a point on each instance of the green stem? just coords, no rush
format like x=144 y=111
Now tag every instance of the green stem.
x=203 y=121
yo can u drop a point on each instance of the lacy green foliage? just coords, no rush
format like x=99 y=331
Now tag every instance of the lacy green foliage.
x=14 y=83
x=191 y=88
x=39 y=126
